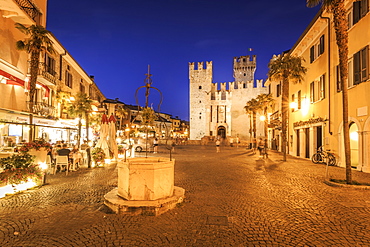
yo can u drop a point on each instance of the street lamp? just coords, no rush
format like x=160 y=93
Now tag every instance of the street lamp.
x=293 y=105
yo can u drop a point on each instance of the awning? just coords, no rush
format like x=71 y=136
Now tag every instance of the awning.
x=12 y=80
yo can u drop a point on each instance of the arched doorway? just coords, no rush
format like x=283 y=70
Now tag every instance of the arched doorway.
x=221 y=132
x=353 y=137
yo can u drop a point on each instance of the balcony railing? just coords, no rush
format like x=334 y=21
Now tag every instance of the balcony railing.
x=29 y=7
x=46 y=72
x=42 y=109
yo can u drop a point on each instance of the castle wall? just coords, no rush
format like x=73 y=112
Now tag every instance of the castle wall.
x=212 y=109
x=200 y=88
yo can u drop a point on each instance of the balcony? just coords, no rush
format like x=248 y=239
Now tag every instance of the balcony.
x=22 y=11
x=42 y=109
x=47 y=74
x=275 y=121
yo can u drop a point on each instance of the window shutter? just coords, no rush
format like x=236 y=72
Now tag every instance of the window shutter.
x=365 y=64
x=312 y=54
x=364 y=7
x=356 y=68
x=322 y=87
x=312 y=92
x=322 y=44
x=356 y=11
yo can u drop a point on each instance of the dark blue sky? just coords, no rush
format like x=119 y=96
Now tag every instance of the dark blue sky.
x=115 y=40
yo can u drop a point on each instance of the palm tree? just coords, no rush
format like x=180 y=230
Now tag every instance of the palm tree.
x=36 y=42
x=121 y=113
x=266 y=102
x=252 y=107
x=340 y=26
x=81 y=108
x=286 y=68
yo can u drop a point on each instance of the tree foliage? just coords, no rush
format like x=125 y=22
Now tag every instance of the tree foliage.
x=286 y=69
x=337 y=8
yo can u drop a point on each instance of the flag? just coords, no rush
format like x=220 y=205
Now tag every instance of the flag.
x=250 y=49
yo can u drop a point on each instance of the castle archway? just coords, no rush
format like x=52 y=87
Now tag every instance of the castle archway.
x=221 y=132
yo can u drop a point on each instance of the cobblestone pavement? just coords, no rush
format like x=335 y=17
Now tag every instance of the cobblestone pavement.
x=233 y=198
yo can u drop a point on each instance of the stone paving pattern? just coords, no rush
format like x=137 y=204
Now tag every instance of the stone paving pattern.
x=233 y=198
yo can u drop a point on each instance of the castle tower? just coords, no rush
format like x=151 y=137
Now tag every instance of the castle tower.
x=200 y=94
x=217 y=109
x=244 y=68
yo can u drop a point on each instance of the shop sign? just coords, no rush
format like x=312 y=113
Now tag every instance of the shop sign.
x=22 y=119
x=66 y=123
x=309 y=121
x=44 y=122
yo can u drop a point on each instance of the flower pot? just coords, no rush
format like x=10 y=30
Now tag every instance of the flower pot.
x=40 y=155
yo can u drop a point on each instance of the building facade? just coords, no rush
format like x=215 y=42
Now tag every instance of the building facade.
x=316 y=116
x=59 y=79
x=217 y=109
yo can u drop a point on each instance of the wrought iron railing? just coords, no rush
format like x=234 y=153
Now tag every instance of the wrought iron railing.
x=47 y=72
x=42 y=109
x=29 y=7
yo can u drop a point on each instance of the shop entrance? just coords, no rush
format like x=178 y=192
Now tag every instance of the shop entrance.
x=353 y=136
x=307 y=149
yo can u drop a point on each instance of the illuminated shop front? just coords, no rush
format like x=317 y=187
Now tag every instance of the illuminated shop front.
x=15 y=128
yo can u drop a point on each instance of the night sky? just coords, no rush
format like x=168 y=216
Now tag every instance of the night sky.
x=116 y=40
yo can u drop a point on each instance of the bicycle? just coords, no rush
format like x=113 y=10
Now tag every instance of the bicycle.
x=323 y=157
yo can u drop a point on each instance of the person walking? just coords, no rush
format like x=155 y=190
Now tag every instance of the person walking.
x=218 y=143
x=261 y=146
x=265 y=154
x=231 y=140
x=155 y=145
x=237 y=141
x=254 y=145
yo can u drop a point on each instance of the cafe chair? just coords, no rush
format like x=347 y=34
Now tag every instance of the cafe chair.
x=50 y=165
x=61 y=161
x=77 y=157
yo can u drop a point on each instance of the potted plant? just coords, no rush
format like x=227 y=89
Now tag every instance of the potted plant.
x=38 y=148
x=37 y=145
x=19 y=168
x=121 y=149
x=98 y=155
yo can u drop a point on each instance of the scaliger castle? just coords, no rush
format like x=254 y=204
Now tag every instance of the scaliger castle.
x=217 y=109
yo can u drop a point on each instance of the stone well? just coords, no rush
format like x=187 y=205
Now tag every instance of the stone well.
x=145 y=186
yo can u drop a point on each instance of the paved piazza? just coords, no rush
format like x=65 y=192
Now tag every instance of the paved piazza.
x=233 y=198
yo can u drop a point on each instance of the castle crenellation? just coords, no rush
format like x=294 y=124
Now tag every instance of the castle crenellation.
x=217 y=108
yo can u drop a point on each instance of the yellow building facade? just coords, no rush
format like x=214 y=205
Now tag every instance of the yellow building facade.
x=315 y=118
x=60 y=78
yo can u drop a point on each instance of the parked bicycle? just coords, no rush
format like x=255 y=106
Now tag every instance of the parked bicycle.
x=323 y=157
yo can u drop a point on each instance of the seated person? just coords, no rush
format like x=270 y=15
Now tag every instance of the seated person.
x=64 y=151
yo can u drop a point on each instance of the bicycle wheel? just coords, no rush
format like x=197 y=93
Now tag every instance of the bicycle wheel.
x=317 y=158
x=332 y=160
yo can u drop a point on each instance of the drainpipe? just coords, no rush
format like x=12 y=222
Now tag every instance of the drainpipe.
x=61 y=64
x=329 y=64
